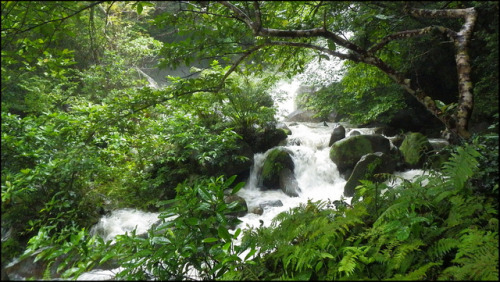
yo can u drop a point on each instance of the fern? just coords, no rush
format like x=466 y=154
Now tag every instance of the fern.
x=476 y=258
x=442 y=247
x=418 y=274
x=461 y=166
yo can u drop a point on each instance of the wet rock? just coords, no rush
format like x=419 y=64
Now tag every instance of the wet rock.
x=283 y=127
x=257 y=210
x=337 y=134
x=347 y=152
x=276 y=203
x=242 y=205
x=354 y=133
x=366 y=168
x=276 y=160
x=288 y=183
x=302 y=116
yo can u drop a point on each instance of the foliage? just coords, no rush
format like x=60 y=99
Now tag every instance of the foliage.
x=432 y=228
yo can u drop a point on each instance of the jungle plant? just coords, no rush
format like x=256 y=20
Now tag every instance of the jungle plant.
x=434 y=227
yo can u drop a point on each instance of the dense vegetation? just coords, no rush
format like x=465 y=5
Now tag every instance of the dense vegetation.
x=84 y=131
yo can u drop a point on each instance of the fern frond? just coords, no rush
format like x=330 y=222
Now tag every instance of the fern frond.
x=476 y=257
x=404 y=250
x=393 y=212
x=418 y=274
x=442 y=247
x=461 y=166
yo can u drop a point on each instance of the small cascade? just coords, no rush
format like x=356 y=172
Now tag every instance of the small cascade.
x=316 y=175
x=124 y=221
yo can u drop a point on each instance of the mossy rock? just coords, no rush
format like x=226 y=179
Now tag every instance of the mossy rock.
x=276 y=160
x=347 y=152
x=414 y=149
x=366 y=168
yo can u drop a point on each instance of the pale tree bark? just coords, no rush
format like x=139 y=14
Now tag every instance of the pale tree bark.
x=456 y=123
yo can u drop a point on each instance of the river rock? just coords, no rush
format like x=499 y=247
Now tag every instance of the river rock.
x=414 y=149
x=276 y=203
x=347 y=152
x=366 y=167
x=302 y=116
x=283 y=127
x=242 y=205
x=276 y=160
x=288 y=183
x=257 y=210
x=337 y=134
x=354 y=133
x=268 y=138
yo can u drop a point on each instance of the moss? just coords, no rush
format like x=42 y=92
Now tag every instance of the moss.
x=276 y=160
x=357 y=147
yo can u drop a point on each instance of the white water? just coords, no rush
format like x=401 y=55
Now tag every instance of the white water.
x=317 y=176
x=124 y=221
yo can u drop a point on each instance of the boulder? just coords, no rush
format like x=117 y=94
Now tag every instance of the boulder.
x=268 y=138
x=354 y=133
x=414 y=149
x=302 y=116
x=283 y=127
x=337 y=134
x=365 y=169
x=243 y=208
x=347 y=152
x=276 y=203
x=277 y=160
x=288 y=183
x=257 y=210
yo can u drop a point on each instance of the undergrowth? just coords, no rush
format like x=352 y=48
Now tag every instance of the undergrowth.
x=441 y=226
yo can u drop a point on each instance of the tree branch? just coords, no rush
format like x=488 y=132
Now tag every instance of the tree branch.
x=59 y=19
x=410 y=33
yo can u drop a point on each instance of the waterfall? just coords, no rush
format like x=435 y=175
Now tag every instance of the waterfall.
x=317 y=176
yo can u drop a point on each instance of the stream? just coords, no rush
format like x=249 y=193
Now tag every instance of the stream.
x=317 y=177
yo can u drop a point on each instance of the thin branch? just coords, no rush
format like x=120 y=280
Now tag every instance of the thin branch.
x=318 y=48
x=59 y=19
x=410 y=33
x=240 y=14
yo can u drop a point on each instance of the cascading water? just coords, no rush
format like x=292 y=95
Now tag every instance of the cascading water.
x=316 y=175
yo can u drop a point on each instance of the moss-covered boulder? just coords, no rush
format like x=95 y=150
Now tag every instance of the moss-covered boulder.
x=276 y=161
x=268 y=138
x=414 y=149
x=347 y=152
x=242 y=205
x=366 y=168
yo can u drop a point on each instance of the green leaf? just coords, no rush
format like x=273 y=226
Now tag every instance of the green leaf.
x=226 y=246
x=209 y=240
x=251 y=253
x=192 y=221
x=326 y=255
x=139 y=8
x=237 y=233
x=403 y=233
x=238 y=188
x=224 y=233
